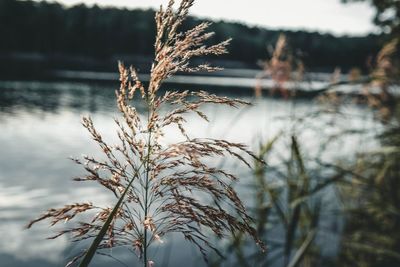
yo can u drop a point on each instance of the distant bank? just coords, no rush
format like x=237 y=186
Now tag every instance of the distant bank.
x=37 y=36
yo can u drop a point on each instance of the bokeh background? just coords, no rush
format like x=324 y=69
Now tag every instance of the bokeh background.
x=323 y=80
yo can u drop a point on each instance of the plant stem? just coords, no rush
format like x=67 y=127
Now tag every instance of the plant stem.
x=96 y=242
x=147 y=182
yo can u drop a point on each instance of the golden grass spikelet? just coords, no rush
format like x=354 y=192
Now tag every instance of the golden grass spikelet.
x=162 y=188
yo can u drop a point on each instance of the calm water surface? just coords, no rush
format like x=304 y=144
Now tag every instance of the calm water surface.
x=40 y=128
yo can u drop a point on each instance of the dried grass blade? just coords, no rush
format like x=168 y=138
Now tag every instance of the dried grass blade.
x=96 y=242
x=303 y=249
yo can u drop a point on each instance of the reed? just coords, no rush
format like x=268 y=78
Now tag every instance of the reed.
x=282 y=66
x=160 y=188
x=371 y=199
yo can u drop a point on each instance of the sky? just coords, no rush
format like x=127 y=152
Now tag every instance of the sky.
x=314 y=15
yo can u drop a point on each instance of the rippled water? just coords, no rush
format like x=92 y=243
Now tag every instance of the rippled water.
x=40 y=128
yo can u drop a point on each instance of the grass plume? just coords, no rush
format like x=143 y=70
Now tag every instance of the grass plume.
x=160 y=188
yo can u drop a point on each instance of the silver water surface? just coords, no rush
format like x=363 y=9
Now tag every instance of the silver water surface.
x=40 y=128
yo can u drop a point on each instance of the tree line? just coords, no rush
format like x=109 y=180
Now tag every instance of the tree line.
x=52 y=29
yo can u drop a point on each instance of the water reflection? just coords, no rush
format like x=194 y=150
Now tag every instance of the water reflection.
x=51 y=97
x=40 y=128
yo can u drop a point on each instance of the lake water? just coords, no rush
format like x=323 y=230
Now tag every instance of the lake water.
x=40 y=128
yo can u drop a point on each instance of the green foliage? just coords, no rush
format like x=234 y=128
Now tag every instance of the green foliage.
x=372 y=237
x=287 y=201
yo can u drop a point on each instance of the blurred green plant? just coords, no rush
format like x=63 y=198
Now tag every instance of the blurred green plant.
x=287 y=209
x=371 y=237
x=288 y=193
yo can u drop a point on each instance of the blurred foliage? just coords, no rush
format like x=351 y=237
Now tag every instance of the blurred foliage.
x=288 y=209
x=281 y=67
x=371 y=237
x=51 y=28
x=387 y=14
x=385 y=75
x=293 y=203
